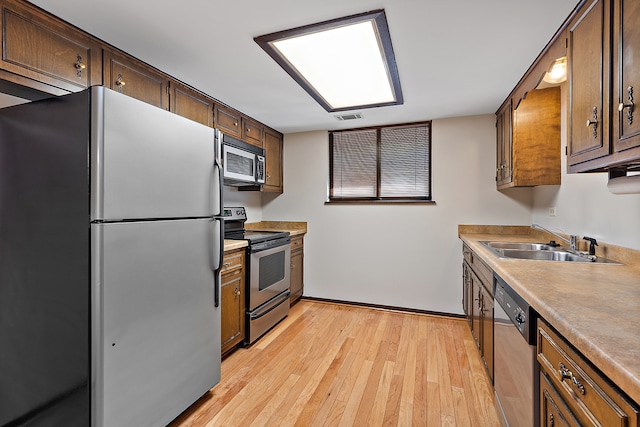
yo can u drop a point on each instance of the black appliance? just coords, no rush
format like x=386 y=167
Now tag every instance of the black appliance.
x=267 y=273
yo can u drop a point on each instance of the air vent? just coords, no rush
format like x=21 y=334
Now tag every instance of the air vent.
x=354 y=116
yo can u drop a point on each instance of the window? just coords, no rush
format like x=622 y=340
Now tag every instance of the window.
x=388 y=164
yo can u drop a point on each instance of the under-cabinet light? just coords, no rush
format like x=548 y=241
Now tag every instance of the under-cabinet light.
x=343 y=64
x=558 y=71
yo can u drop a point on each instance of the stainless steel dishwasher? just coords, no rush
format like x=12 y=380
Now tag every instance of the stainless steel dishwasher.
x=516 y=371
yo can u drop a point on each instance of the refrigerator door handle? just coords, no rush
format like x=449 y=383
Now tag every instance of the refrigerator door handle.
x=216 y=233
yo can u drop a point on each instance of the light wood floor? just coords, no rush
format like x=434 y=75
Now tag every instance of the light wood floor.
x=340 y=365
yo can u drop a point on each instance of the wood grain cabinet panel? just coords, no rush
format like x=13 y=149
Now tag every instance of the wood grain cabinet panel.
x=297 y=269
x=604 y=85
x=626 y=83
x=193 y=105
x=252 y=131
x=477 y=288
x=45 y=50
x=273 y=158
x=232 y=300
x=136 y=79
x=590 y=397
x=228 y=121
x=588 y=91
x=553 y=411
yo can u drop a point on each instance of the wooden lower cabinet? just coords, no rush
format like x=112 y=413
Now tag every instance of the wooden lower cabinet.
x=232 y=300
x=576 y=388
x=297 y=268
x=478 y=305
x=553 y=411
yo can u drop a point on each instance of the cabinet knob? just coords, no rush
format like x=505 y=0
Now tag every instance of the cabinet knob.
x=120 y=83
x=630 y=105
x=594 y=122
x=79 y=66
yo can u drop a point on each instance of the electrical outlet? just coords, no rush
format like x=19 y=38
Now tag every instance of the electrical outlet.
x=552 y=211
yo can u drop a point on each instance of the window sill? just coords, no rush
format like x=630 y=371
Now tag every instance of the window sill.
x=383 y=202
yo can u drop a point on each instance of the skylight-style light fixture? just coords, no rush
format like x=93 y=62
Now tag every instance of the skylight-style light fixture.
x=344 y=64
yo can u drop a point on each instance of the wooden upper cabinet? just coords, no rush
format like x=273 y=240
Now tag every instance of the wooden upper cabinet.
x=588 y=83
x=136 y=79
x=228 y=121
x=193 y=105
x=252 y=132
x=626 y=84
x=43 y=49
x=273 y=158
x=504 y=141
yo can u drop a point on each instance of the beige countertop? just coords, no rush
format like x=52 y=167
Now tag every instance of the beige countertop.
x=594 y=306
x=295 y=228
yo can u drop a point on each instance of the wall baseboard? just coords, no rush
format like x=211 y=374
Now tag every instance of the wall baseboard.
x=385 y=307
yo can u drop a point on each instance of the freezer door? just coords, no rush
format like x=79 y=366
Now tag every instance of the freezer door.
x=149 y=163
x=156 y=330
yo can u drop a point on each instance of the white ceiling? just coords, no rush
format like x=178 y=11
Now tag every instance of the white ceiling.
x=455 y=57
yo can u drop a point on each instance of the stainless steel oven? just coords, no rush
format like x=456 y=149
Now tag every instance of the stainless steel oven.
x=516 y=370
x=269 y=269
x=268 y=273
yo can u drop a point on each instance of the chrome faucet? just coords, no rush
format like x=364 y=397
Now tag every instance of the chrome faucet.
x=572 y=242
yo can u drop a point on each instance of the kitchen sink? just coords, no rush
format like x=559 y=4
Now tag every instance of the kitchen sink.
x=540 y=252
x=520 y=246
x=545 y=255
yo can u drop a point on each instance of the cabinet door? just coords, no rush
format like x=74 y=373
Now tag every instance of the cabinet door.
x=297 y=275
x=228 y=121
x=193 y=105
x=44 y=49
x=232 y=310
x=273 y=157
x=553 y=411
x=252 y=132
x=467 y=294
x=476 y=309
x=504 y=144
x=626 y=82
x=588 y=83
x=487 y=331
x=135 y=79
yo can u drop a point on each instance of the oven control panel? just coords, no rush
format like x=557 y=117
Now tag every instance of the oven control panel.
x=234 y=213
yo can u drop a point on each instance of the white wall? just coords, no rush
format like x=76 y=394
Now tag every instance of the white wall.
x=397 y=255
x=585 y=207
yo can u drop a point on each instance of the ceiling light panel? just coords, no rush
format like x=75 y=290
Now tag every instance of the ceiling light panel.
x=344 y=64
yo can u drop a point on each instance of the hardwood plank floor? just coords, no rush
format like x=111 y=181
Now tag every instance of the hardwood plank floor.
x=340 y=365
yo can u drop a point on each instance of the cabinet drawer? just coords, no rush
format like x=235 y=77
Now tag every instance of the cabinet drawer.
x=233 y=260
x=484 y=273
x=588 y=394
x=297 y=242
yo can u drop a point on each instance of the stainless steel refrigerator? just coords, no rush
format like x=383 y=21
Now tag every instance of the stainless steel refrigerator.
x=110 y=251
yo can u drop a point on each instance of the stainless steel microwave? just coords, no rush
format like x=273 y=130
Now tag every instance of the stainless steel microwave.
x=242 y=163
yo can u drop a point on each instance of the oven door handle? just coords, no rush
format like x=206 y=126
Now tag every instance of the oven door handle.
x=271 y=305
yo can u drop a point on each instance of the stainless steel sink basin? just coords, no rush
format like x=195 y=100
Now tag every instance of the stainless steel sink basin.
x=520 y=246
x=540 y=252
x=545 y=255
